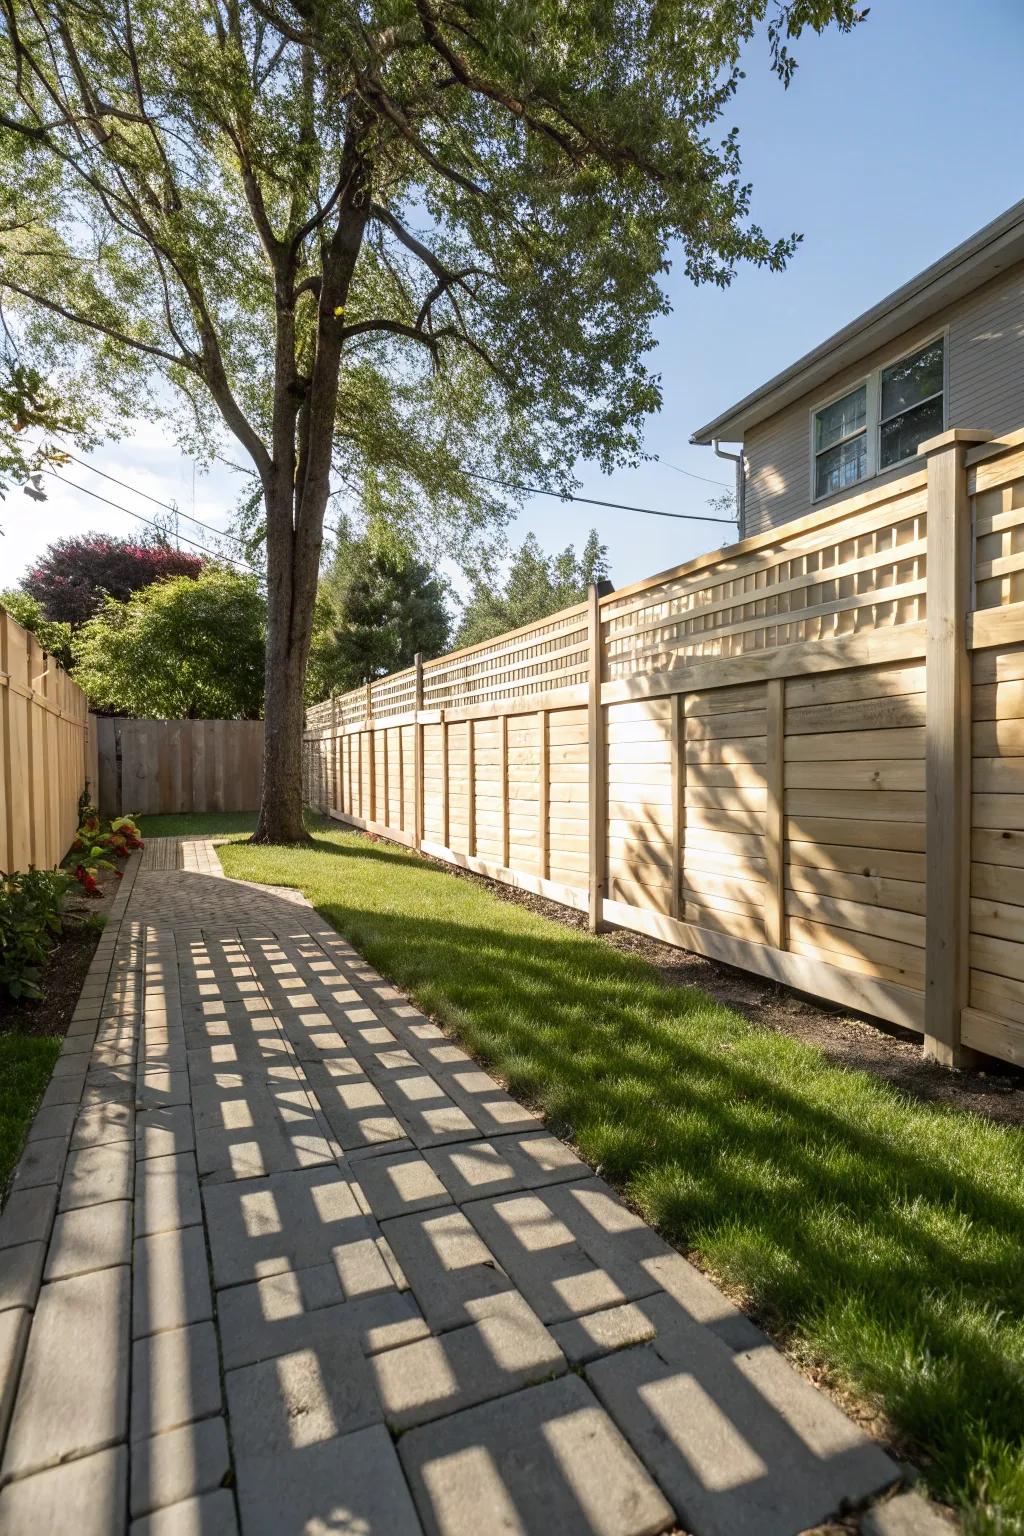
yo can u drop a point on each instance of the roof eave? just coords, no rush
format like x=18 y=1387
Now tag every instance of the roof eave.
x=992 y=250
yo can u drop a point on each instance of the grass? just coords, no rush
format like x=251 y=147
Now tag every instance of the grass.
x=881 y=1238
x=26 y=1063
x=214 y=824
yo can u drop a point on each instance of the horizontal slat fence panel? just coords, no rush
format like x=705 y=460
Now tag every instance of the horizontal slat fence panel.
x=168 y=767
x=734 y=756
x=47 y=752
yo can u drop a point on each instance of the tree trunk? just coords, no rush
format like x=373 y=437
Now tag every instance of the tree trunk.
x=296 y=486
x=280 y=819
x=293 y=566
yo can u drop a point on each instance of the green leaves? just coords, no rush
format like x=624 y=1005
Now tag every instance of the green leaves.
x=378 y=606
x=30 y=906
x=173 y=208
x=536 y=585
x=184 y=648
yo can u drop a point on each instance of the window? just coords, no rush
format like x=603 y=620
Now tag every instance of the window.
x=911 y=405
x=841 y=443
x=880 y=423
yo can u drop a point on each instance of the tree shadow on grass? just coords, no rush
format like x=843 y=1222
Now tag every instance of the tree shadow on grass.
x=885 y=1237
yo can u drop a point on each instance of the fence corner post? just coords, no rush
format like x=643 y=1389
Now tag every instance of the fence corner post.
x=597 y=807
x=948 y=745
x=417 y=753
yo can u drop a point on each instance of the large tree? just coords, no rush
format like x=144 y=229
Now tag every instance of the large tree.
x=408 y=242
x=378 y=605
x=535 y=586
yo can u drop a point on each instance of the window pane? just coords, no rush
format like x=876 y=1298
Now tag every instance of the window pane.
x=901 y=436
x=912 y=380
x=841 y=466
x=841 y=418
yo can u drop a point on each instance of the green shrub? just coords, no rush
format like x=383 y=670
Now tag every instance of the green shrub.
x=30 y=919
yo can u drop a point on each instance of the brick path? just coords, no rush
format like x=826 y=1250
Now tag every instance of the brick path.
x=280 y=1258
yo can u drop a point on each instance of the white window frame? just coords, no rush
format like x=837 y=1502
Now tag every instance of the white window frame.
x=873 y=421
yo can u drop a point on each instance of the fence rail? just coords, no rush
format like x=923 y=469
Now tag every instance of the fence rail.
x=44 y=752
x=803 y=756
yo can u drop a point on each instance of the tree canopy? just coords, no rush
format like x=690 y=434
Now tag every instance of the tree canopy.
x=71 y=581
x=185 y=648
x=407 y=248
x=378 y=605
x=535 y=586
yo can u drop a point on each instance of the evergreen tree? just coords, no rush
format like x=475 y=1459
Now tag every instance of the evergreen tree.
x=536 y=585
x=377 y=606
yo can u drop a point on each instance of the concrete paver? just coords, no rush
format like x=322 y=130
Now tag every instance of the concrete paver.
x=73 y=1394
x=178 y=1464
x=279 y=1257
x=547 y=1459
x=175 y=1379
x=208 y=1514
x=86 y=1496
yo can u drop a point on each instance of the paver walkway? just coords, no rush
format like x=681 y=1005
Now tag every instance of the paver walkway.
x=280 y=1257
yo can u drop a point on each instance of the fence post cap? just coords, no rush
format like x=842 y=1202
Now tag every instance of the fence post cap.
x=955 y=435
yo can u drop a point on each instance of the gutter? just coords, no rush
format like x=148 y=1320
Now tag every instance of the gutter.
x=741 y=483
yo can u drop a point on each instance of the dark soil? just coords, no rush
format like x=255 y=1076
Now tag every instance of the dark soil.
x=994 y=1088
x=65 y=967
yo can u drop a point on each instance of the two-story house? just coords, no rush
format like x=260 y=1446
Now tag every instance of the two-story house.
x=944 y=350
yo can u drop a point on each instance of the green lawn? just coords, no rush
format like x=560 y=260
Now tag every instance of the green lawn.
x=26 y=1062
x=881 y=1237
x=216 y=824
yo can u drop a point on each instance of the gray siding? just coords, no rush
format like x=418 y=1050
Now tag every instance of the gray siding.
x=986 y=390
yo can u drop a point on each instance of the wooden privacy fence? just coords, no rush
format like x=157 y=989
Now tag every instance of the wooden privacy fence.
x=44 y=752
x=159 y=767
x=803 y=755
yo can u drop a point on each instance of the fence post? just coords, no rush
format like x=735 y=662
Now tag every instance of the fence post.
x=470 y=789
x=597 y=808
x=335 y=789
x=445 y=800
x=503 y=785
x=372 y=786
x=417 y=752
x=948 y=745
x=677 y=749
x=774 y=830
x=543 y=794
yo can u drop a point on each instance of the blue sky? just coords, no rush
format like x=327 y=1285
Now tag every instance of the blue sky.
x=891 y=145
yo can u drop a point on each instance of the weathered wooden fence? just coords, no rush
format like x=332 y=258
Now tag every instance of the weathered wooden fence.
x=44 y=752
x=157 y=767
x=803 y=755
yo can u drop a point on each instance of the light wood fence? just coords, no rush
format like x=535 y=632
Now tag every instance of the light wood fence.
x=44 y=752
x=765 y=755
x=160 y=767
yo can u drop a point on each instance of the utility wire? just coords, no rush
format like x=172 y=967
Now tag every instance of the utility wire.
x=618 y=506
x=531 y=490
x=168 y=506
x=214 y=554
x=689 y=472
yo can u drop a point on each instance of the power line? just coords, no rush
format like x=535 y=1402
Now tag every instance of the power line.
x=168 y=506
x=214 y=554
x=618 y=506
x=690 y=474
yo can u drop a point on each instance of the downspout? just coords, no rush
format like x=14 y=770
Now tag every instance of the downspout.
x=741 y=482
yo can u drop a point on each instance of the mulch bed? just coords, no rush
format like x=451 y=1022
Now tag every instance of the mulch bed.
x=994 y=1089
x=65 y=967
